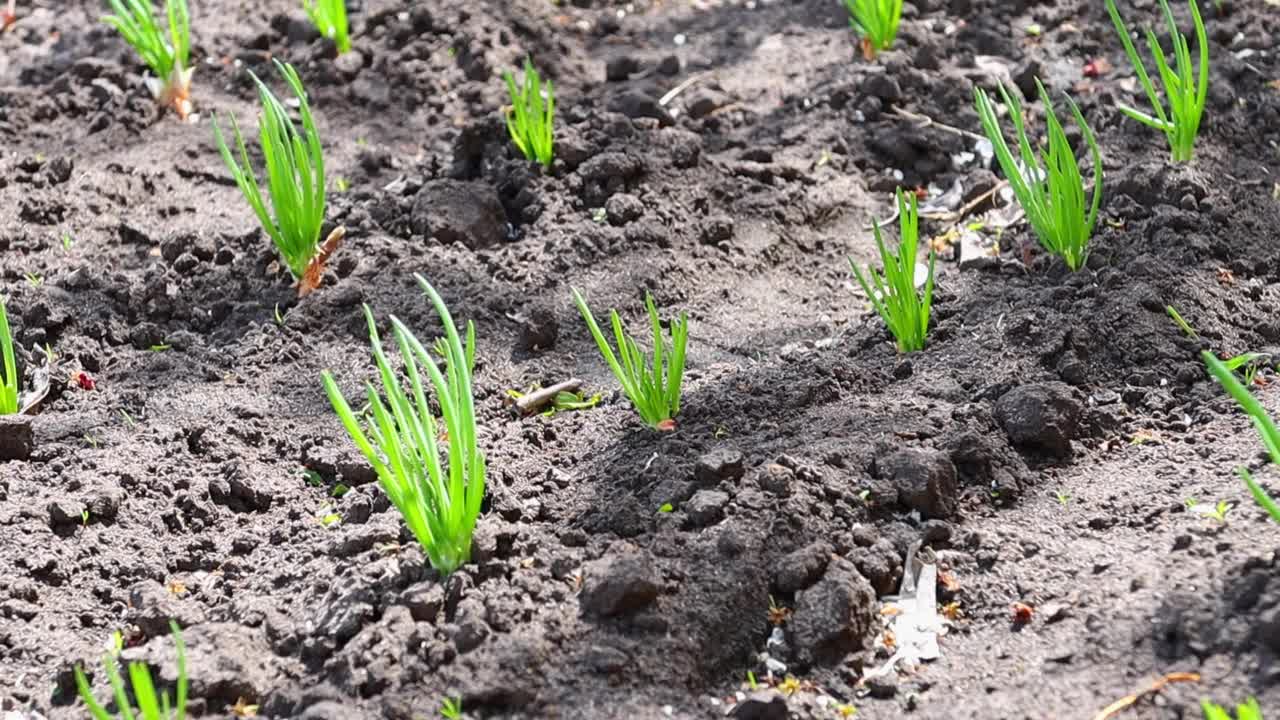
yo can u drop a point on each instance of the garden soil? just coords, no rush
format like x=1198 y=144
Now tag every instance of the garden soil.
x=728 y=157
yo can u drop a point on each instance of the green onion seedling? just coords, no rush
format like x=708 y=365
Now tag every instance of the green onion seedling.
x=295 y=181
x=1261 y=420
x=1182 y=324
x=9 y=384
x=451 y=708
x=1185 y=93
x=330 y=18
x=168 y=58
x=150 y=705
x=876 y=21
x=1248 y=710
x=531 y=117
x=1052 y=194
x=651 y=381
x=439 y=505
x=904 y=309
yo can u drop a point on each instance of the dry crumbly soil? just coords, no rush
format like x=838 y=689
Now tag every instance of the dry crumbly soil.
x=1043 y=444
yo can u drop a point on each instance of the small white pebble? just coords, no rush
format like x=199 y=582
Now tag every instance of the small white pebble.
x=679 y=39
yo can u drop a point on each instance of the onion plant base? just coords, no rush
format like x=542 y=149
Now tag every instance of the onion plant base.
x=167 y=58
x=876 y=22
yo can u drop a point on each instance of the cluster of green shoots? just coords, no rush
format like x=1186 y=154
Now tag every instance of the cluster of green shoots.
x=1261 y=420
x=1185 y=92
x=531 y=117
x=876 y=21
x=651 y=381
x=904 y=309
x=150 y=705
x=1050 y=189
x=167 y=57
x=440 y=505
x=9 y=384
x=295 y=181
x=330 y=18
x=1248 y=710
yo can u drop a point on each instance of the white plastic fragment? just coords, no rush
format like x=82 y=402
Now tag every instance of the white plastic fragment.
x=917 y=626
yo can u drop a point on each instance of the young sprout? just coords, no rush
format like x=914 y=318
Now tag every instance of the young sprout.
x=9 y=386
x=149 y=705
x=295 y=181
x=904 y=310
x=1186 y=94
x=168 y=58
x=439 y=505
x=330 y=18
x=1261 y=420
x=651 y=381
x=1051 y=195
x=9 y=15
x=451 y=708
x=876 y=21
x=1247 y=710
x=531 y=117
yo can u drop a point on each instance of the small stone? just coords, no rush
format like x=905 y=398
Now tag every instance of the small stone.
x=1040 y=416
x=606 y=660
x=721 y=464
x=801 y=568
x=883 y=86
x=539 y=328
x=924 y=480
x=1055 y=611
x=425 y=600
x=705 y=101
x=620 y=68
x=623 y=208
x=669 y=65
x=834 y=618
x=1025 y=78
x=17 y=439
x=883 y=687
x=761 y=705
x=620 y=583
x=636 y=104
x=453 y=211
x=706 y=507
x=65 y=511
x=776 y=479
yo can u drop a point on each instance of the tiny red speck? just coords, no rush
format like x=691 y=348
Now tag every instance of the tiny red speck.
x=85 y=381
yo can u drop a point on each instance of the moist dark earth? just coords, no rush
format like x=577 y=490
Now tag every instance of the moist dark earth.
x=1043 y=445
